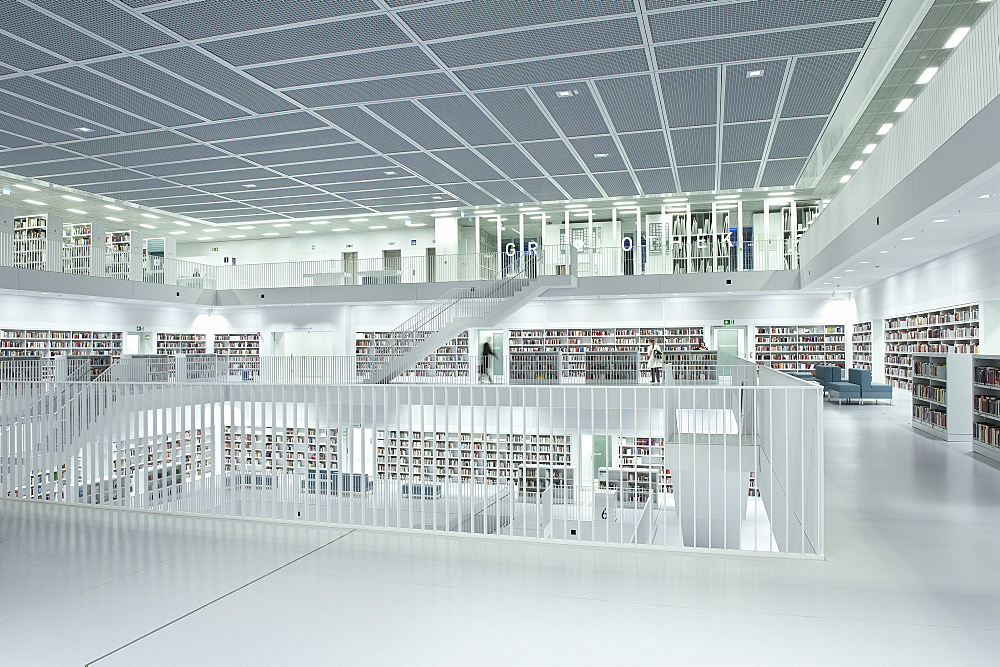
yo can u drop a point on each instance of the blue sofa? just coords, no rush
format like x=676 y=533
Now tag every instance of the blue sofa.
x=869 y=390
x=827 y=375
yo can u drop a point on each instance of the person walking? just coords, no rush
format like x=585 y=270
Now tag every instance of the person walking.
x=484 y=363
x=654 y=361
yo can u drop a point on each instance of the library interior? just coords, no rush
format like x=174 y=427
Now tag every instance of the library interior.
x=627 y=330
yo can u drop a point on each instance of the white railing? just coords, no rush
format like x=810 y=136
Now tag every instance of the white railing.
x=737 y=468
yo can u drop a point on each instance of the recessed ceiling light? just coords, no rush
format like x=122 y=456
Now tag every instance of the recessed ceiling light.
x=850 y=270
x=865 y=262
x=884 y=129
x=869 y=148
x=837 y=277
x=76 y=210
x=304 y=231
x=956 y=38
x=113 y=207
x=320 y=222
x=415 y=224
x=927 y=75
x=941 y=220
x=83 y=129
x=398 y=217
x=777 y=194
x=529 y=208
x=486 y=210
x=27 y=187
x=600 y=154
x=72 y=198
x=980 y=196
x=904 y=104
x=245 y=227
x=624 y=203
x=144 y=225
x=35 y=202
x=564 y=93
x=237 y=236
x=113 y=219
x=442 y=215
x=845 y=178
x=857 y=164
x=283 y=224
x=907 y=238
x=437 y=197
x=249 y=185
x=753 y=73
x=340 y=229
x=182 y=223
x=150 y=215
x=269 y=234
x=883 y=252
x=358 y=220
x=389 y=173
x=204 y=238
x=178 y=231
x=377 y=227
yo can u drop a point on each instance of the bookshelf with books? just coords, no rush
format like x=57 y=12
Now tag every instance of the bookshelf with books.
x=681 y=343
x=795 y=220
x=953 y=330
x=632 y=486
x=284 y=449
x=241 y=352
x=942 y=386
x=47 y=343
x=612 y=368
x=490 y=458
x=533 y=479
x=861 y=346
x=181 y=343
x=534 y=367
x=450 y=360
x=80 y=255
x=986 y=406
x=800 y=347
x=38 y=243
x=123 y=255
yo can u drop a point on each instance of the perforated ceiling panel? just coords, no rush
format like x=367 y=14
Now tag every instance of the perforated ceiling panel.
x=287 y=108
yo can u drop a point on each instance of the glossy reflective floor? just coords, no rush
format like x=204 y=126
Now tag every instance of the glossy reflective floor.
x=913 y=549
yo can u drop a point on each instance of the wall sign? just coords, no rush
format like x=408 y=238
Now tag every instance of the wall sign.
x=413 y=242
x=139 y=328
x=728 y=322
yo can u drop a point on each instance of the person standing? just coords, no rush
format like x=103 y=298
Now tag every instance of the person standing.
x=654 y=360
x=484 y=362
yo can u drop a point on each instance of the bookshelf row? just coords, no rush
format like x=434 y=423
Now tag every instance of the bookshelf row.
x=48 y=343
x=861 y=346
x=800 y=347
x=936 y=332
x=449 y=360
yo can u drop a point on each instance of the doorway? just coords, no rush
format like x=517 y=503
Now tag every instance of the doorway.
x=132 y=339
x=392 y=266
x=730 y=342
x=431 y=260
x=350 y=261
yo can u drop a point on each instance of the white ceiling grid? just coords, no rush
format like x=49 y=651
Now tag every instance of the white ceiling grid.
x=338 y=107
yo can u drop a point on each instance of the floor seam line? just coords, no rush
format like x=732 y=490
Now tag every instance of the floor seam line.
x=211 y=602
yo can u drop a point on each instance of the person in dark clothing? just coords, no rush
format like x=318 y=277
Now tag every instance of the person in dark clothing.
x=484 y=363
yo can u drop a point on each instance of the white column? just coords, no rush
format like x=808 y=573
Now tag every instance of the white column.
x=739 y=235
x=53 y=243
x=6 y=236
x=446 y=244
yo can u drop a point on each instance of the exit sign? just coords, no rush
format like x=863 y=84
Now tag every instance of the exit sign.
x=139 y=328
x=727 y=322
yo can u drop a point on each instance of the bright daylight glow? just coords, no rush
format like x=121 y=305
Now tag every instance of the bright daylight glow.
x=884 y=129
x=927 y=75
x=857 y=164
x=72 y=198
x=113 y=207
x=904 y=105
x=845 y=178
x=36 y=203
x=956 y=38
x=869 y=148
x=76 y=210
x=27 y=187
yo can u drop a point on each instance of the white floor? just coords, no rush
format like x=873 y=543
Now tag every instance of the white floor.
x=911 y=577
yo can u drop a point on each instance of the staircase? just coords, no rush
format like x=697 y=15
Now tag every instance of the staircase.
x=465 y=308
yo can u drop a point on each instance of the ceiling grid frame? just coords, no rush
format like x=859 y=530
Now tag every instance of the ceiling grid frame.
x=613 y=132
x=773 y=123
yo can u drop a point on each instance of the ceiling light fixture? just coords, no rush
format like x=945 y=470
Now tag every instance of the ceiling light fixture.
x=358 y=220
x=565 y=93
x=941 y=220
x=442 y=215
x=956 y=37
x=389 y=173
x=572 y=206
x=845 y=178
x=178 y=231
x=980 y=196
x=113 y=207
x=72 y=198
x=338 y=229
x=270 y=234
x=204 y=238
x=856 y=164
x=868 y=149
x=76 y=210
x=754 y=73
x=526 y=209
x=904 y=104
x=883 y=252
x=733 y=196
x=907 y=238
x=485 y=210
x=600 y=154
x=377 y=227
x=399 y=217
x=305 y=231
x=245 y=227
x=927 y=75
x=437 y=198
x=150 y=215
x=35 y=202
x=850 y=270
x=83 y=129
x=145 y=226
x=283 y=224
x=249 y=185
x=237 y=236
x=113 y=219
x=624 y=203
x=182 y=223
x=415 y=224
x=884 y=129
x=27 y=187
x=674 y=201
x=320 y=222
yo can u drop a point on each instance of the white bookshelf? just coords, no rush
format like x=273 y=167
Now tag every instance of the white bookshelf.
x=611 y=368
x=241 y=352
x=281 y=449
x=986 y=406
x=452 y=359
x=534 y=367
x=632 y=486
x=795 y=220
x=942 y=394
x=38 y=243
x=122 y=255
x=48 y=343
x=945 y=331
x=80 y=255
x=861 y=346
x=800 y=348
x=181 y=343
